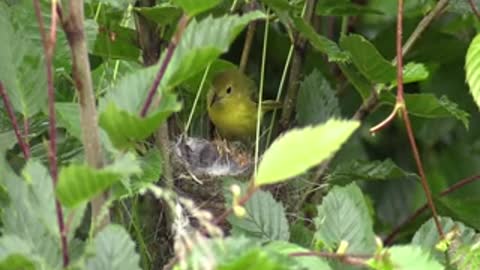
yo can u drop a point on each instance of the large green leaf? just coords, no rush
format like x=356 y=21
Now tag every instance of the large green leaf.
x=22 y=69
x=201 y=43
x=80 y=183
x=194 y=7
x=162 y=14
x=343 y=216
x=316 y=101
x=427 y=236
x=114 y=249
x=356 y=170
x=472 y=67
x=406 y=257
x=460 y=208
x=300 y=149
x=31 y=214
x=319 y=42
x=367 y=59
x=265 y=219
x=429 y=106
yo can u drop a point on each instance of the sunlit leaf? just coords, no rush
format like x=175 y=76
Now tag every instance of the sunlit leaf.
x=15 y=254
x=367 y=59
x=300 y=149
x=472 y=67
x=343 y=216
x=414 y=72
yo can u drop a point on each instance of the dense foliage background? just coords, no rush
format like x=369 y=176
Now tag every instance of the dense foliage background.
x=108 y=159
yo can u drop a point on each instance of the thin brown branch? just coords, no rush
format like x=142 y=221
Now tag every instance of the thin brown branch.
x=474 y=8
x=9 y=109
x=248 y=40
x=393 y=234
x=73 y=26
x=356 y=260
x=295 y=71
x=163 y=67
x=48 y=42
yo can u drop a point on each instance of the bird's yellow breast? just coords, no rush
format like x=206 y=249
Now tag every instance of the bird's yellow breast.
x=236 y=120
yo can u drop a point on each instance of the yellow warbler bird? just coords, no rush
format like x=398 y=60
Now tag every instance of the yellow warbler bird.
x=231 y=105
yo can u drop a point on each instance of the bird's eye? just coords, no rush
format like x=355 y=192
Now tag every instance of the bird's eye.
x=229 y=90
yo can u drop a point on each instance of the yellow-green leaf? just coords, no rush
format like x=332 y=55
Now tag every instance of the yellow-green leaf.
x=300 y=149
x=472 y=66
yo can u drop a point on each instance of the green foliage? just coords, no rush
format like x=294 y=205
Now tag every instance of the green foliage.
x=305 y=262
x=265 y=219
x=15 y=253
x=343 y=216
x=427 y=237
x=316 y=102
x=162 y=14
x=414 y=72
x=367 y=171
x=407 y=257
x=319 y=42
x=429 y=106
x=343 y=8
x=314 y=144
x=193 y=7
x=22 y=69
x=367 y=59
x=472 y=68
x=113 y=249
x=80 y=183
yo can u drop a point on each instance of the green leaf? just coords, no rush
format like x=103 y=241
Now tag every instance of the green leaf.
x=319 y=42
x=316 y=101
x=406 y=257
x=358 y=170
x=117 y=42
x=343 y=216
x=80 y=183
x=300 y=234
x=68 y=117
x=472 y=68
x=114 y=249
x=201 y=43
x=265 y=219
x=361 y=84
x=125 y=128
x=22 y=69
x=300 y=149
x=7 y=140
x=194 y=7
x=339 y=8
x=460 y=208
x=429 y=106
x=162 y=14
x=427 y=236
x=368 y=60
x=414 y=72
x=15 y=254
x=31 y=215
x=305 y=262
